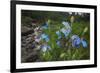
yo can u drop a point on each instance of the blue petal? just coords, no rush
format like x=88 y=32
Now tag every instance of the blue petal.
x=45 y=25
x=75 y=44
x=74 y=37
x=49 y=48
x=65 y=31
x=66 y=24
x=76 y=41
x=58 y=43
x=45 y=37
x=59 y=34
x=84 y=43
x=45 y=48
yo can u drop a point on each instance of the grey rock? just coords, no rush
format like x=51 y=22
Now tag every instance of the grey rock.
x=25 y=30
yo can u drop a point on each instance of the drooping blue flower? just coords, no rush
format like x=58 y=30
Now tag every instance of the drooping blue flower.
x=45 y=37
x=65 y=31
x=58 y=34
x=45 y=48
x=76 y=41
x=84 y=43
x=66 y=24
x=73 y=37
x=45 y=25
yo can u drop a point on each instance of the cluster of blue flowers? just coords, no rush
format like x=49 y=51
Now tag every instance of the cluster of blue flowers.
x=45 y=37
x=66 y=30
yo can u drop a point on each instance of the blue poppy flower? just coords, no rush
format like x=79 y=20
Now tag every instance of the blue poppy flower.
x=45 y=37
x=59 y=34
x=45 y=48
x=76 y=41
x=45 y=25
x=84 y=43
x=66 y=24
x=65 y=31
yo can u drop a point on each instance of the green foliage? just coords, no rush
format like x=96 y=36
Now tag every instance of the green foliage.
x=66 y=53
x=45 y=56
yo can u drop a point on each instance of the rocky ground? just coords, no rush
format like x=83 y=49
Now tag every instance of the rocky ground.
x=29 y=50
